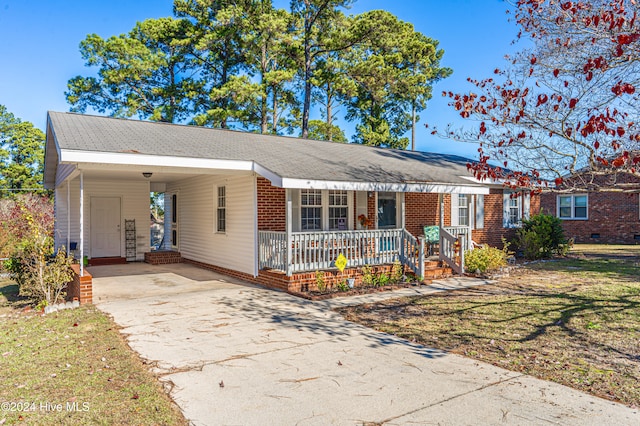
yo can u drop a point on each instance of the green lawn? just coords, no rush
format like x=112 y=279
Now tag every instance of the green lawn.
x=575 y=321
x=73 y=367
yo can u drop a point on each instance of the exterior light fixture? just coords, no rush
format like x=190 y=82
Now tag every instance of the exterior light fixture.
x=147 y=174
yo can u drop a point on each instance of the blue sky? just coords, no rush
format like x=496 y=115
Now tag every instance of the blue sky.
x=39 y=48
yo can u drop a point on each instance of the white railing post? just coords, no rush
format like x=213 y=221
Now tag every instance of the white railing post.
x=288 y=239
x=461 y=254
x=421 y=257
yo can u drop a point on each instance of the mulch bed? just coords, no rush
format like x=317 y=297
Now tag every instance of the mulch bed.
x=332 y=294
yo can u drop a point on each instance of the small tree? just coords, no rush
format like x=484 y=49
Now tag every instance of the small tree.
x=542 y=236
x=39 y=273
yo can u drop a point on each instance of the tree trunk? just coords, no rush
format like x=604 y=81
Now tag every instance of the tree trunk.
x=274 y=108
x=329 y=114
x=307 y=85
x=413 y=126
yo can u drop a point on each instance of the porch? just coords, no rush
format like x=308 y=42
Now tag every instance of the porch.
x=298 y=252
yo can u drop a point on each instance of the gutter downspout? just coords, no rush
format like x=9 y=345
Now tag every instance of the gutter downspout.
x=81 y=224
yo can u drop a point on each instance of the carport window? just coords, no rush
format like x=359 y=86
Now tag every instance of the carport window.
x=221 y=221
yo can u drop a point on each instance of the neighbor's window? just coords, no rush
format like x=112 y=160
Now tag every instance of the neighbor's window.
x=311 y=209
x=572 y=206
x=338 y=205
x=463 y=209
x=221 y=225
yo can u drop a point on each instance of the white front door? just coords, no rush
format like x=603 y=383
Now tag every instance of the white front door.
x=105 y=227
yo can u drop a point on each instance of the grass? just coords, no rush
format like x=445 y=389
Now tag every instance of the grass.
x=575 y=321
x=73 y=367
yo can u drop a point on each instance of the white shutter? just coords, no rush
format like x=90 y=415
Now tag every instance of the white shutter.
x=295 y=209
x=455 y=211
x=361 y=206
x=526 y=206
x=505 y=209
x=479 y=211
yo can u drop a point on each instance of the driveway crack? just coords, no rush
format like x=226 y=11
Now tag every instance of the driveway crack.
x=451 y=398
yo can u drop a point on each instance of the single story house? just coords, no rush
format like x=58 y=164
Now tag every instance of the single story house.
x=268 y=209
x=603 y=209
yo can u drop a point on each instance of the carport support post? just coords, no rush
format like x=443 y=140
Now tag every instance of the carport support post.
x=81 y=224
x=289 y=219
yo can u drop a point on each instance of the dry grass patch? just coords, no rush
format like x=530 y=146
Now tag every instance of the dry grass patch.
x=73 y=367
x=575 y=321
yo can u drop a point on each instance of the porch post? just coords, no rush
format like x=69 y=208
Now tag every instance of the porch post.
x=81 y=224
x=289 y=227
x=421 y=257
x=68 y=216
x=441 y=206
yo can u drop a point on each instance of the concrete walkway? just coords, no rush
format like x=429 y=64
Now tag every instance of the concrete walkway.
x=237 y=354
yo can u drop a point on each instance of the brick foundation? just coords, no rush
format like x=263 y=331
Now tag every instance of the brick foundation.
x=306 y=281
x=81 y=288
x=162 y=257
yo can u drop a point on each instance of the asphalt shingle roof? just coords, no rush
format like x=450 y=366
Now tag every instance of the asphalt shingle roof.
x=287 y=157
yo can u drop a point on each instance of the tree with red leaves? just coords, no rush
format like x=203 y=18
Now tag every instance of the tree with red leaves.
x=568 y=105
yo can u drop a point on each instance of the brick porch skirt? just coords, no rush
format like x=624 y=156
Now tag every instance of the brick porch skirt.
x=302 y=281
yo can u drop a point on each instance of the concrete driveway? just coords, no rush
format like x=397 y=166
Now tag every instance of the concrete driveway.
x=237 y=354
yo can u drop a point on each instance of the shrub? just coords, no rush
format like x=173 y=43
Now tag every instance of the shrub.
x=321 y=284
x=343 y=286
x=541 y=237
x=39 y=273
x=383 y=279
x=368 y=280
x=485 y=260
x=397 y=271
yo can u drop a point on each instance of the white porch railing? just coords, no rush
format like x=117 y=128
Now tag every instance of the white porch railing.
x=461 y=231
x=272 y=250
x=311 y=251
x=452 y=249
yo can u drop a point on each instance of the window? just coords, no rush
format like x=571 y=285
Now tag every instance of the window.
x=572 y=206
x=311 y=210
x=463 y=209
x=516 y=207
x=221 y=223
x=514 y=210
x=338 y=210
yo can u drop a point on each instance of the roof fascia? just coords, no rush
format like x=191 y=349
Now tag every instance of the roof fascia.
x=384 y=187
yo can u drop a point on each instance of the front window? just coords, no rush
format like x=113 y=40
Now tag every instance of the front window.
x=338 y=210
x=572 y=206
x=311 y=209
x=222 y=209
x=463 y=209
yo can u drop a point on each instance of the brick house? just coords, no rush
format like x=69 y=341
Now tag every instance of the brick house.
x=268 y=209
x=591 y=215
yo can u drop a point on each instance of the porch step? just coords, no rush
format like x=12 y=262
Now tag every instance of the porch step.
x=162 y=257
x=101 y=261
x=435 y=269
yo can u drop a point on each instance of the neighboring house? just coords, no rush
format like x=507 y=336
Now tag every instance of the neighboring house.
x=603 y=211
x=268 y=209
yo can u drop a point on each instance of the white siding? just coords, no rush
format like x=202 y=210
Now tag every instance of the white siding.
x=134 y=205
x=62 y=172
x=234 y=249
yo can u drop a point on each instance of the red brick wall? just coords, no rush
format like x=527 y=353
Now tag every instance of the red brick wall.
x=421 y=209
x=613 y=215
x=272 y=207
